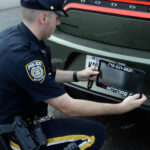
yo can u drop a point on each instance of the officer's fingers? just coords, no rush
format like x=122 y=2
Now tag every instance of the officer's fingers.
x=136 y=96
x=93 y=78
x=141 y=100
x=144 y=98
x=93 y=68
x=94 y=73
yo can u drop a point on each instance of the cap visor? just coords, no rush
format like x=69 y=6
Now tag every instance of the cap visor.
x=62 y=13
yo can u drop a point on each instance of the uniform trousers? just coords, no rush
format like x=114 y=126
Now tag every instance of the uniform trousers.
x=88 y=135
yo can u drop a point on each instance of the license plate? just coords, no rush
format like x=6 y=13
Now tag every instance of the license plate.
x=91 y=61
x=117 y=76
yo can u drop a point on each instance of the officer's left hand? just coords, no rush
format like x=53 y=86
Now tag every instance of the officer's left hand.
x=132 y=102
x=88 y=74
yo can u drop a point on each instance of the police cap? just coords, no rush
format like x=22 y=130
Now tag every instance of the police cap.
x=49 y=5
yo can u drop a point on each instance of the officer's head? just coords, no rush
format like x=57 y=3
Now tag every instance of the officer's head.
x=43 y=15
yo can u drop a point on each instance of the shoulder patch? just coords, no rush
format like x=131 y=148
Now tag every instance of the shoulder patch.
x=36 y=71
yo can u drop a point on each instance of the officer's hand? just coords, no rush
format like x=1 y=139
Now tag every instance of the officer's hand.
x=132 y=102
x=88 y=74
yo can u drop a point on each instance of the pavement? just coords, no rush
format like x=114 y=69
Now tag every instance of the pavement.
x=7 y=4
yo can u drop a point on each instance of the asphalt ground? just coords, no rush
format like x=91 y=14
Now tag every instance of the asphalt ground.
x=9 y=16
x=6 y=4
x=130 y=131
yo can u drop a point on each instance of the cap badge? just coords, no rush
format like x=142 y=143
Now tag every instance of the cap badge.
x=52 y=8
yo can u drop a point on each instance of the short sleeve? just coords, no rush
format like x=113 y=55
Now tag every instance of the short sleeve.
x=32 y=77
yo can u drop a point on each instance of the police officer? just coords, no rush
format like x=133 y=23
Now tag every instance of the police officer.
x=28 y=82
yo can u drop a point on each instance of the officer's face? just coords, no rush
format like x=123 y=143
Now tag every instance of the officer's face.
x=52 y=22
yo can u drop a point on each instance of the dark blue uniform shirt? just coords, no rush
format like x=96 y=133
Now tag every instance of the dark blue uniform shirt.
x=26 y=76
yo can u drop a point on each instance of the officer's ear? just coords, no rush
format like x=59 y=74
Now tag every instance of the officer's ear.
x=43 y=18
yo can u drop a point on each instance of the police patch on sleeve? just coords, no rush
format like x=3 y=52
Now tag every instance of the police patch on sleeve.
x=36 y=71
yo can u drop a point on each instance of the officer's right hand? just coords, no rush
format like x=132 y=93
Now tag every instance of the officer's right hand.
x=132 y=102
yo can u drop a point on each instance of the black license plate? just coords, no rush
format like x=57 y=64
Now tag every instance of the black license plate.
x=119 y=78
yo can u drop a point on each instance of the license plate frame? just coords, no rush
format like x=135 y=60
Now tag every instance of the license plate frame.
x=95 y=61
x=119 y=78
